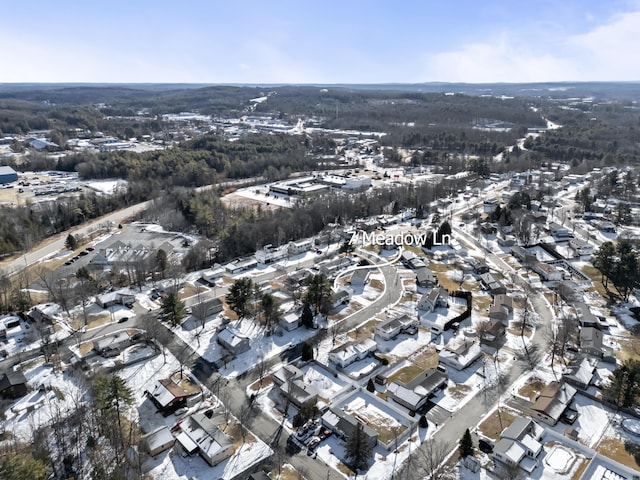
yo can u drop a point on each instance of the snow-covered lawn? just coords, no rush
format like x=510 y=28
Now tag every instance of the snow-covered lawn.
x=62 y=392
x=323 y=381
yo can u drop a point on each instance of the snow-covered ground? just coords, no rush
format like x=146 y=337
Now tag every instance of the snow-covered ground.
x=107 y=186
x=51 y=396
x=171 y=465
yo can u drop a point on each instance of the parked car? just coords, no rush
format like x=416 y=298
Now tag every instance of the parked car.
x=181 y=411
x=324 y=434
x=485 y=446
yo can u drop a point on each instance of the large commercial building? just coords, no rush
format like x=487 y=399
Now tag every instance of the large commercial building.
x=8 y=175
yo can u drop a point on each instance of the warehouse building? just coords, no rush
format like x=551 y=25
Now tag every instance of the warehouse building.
x=8 y=175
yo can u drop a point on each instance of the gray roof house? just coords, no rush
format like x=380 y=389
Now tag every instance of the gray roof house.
x=233 y=341
x=520 y=444
x=344 y=425
x=392 y=327
x=415 y=394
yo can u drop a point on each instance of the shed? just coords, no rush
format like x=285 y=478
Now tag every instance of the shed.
x=159 y=440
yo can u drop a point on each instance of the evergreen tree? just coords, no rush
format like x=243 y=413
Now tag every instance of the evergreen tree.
x=624 y=387
x=423 y=422
x=71 y=242
x=307 y=316
x=318 y=291
x=173 y=310
x=466 y=444
x=358 y=450
x=239 y=295
x=161 y=262
x=370 y=386
x=16 y=466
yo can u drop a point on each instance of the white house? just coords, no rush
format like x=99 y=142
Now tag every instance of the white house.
x=201 y=434
x=460 y=354
x=351 y=352
x=301 y=246
x=392 y=327
x=520 y=444
x=547 y=272
x=269 y=254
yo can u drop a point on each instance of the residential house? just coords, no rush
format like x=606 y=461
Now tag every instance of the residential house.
x=417 y=262
x=352 y=352
x=287 y=373
x=269 y=254
x=209 y=277
x=112 y=345
x=392 y=327
x=586 y=318
x=436 y=297
x=579 y=372
x=501 y=307
x=158 y=441
x=591 y=342
x=553 y=401
x=331 y=267
x=425 y=277
x=201 y=434
x=292 y=386
x=233 y=341
x=523 y=255
x=360 y=277
x=290 y=321
x=547 y=272
x=480 y=267
x=344 y=425
x=580 y=247
x=568 y=292
x=559 y=232
x=415 y=394
x=115 y=298
x=520 y=444
x=45 y=313
x=493 y=333
x=13 y=384
x=460 y=354
x=207 y=308
x=341 y=297
x=168 y=396
x=241 y=265
x=490 y=283
x=301 y=246
x=406 y=257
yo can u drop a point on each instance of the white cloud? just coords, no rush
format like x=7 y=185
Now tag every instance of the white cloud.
x=607 y=52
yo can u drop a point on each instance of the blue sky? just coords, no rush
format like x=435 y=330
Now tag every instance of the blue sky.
x=328 y=41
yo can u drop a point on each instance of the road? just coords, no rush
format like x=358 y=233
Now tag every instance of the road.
x=477 y=408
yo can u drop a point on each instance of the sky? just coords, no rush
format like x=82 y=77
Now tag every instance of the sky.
x=326 y=41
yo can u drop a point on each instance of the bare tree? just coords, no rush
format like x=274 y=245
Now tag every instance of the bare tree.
x=155 y=331
x=262 y=367
x=530 y=355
